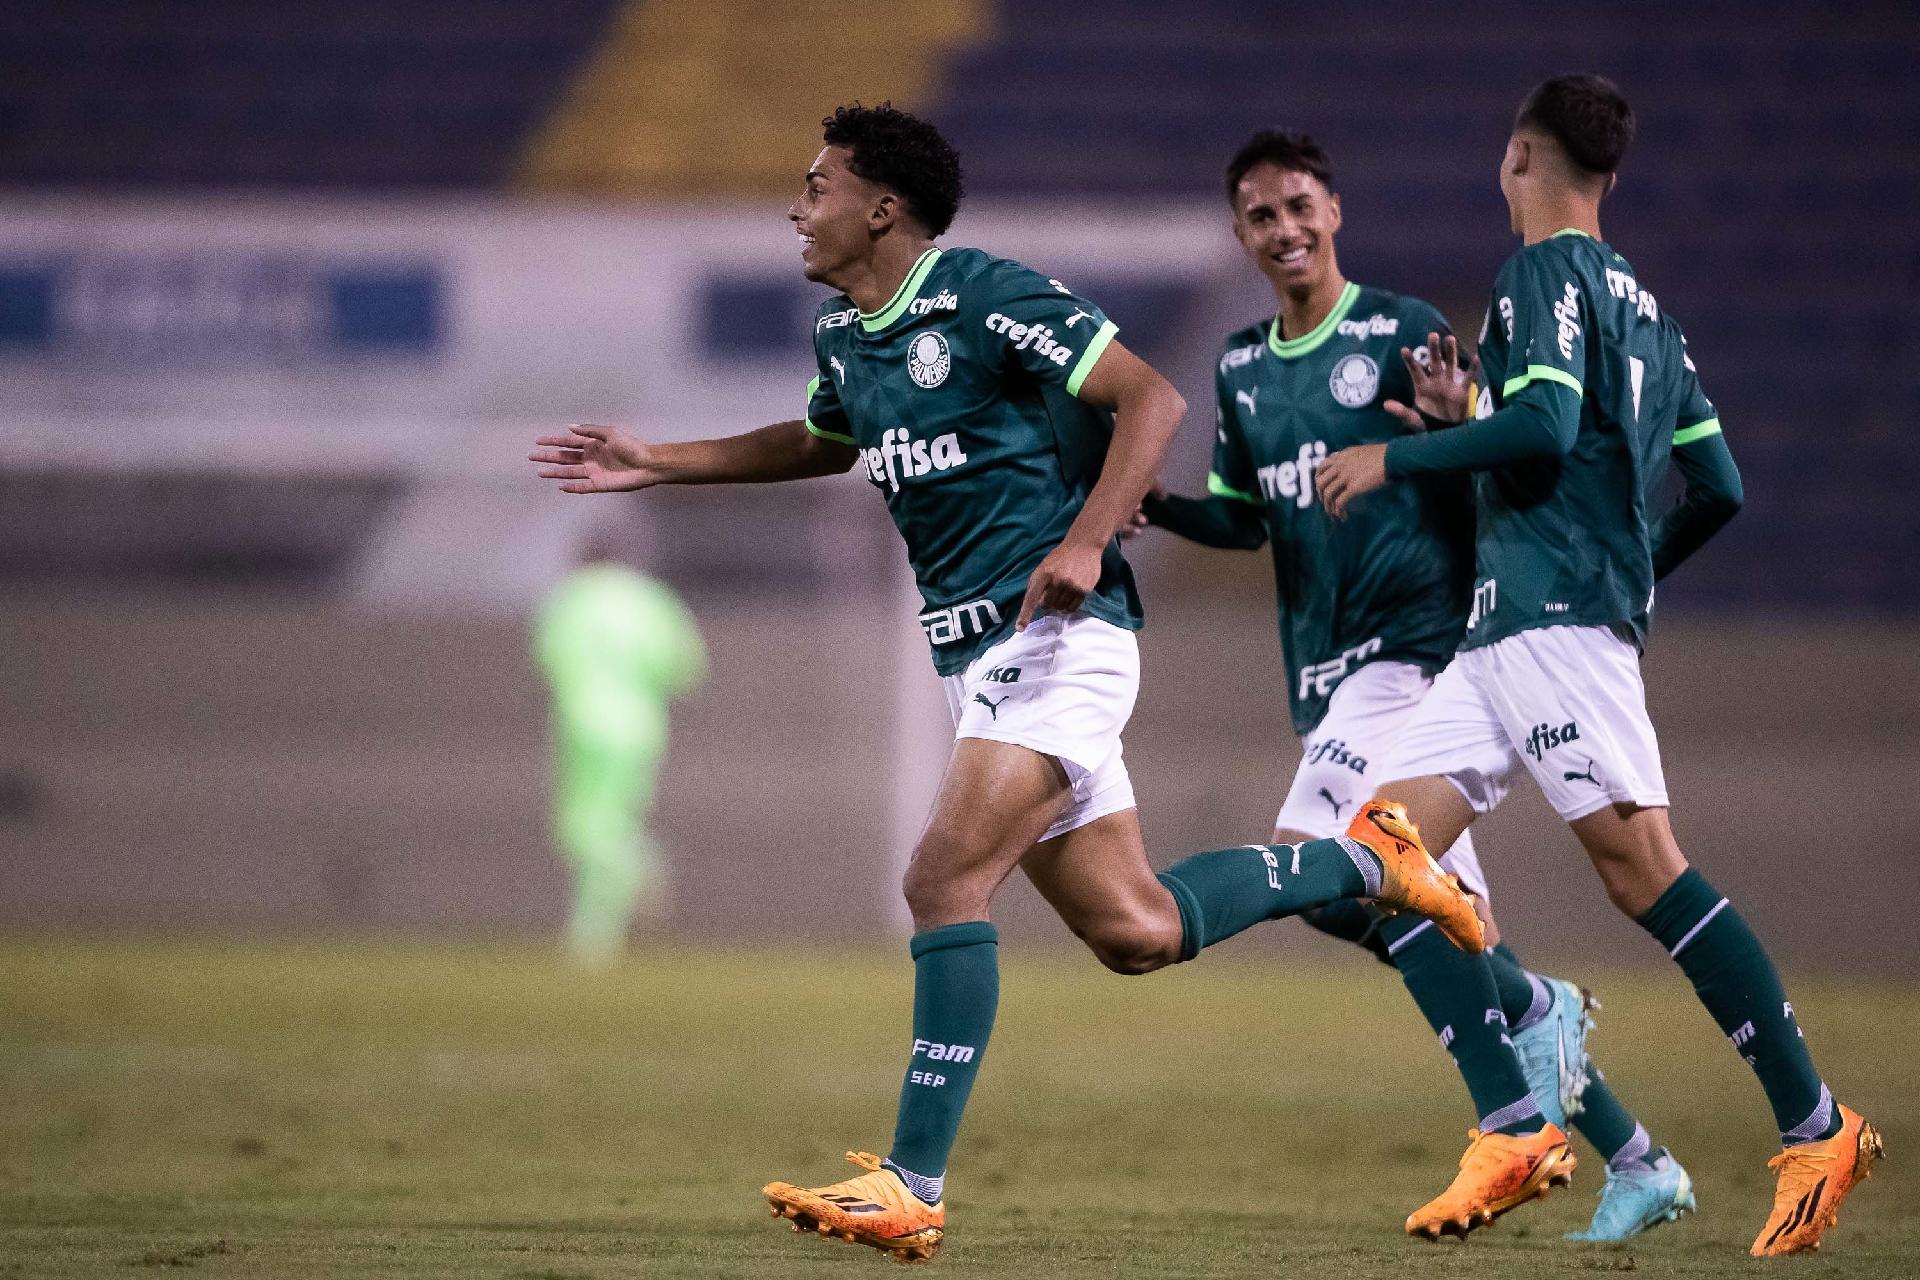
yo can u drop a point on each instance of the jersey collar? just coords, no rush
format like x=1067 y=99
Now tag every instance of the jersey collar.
x=1291 y=348
x=903 y=296
x=1568 y=231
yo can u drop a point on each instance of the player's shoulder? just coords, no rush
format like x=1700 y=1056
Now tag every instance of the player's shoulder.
x=1244 y=346
x=1408 y=316
x=987 y=277
x=834 y=313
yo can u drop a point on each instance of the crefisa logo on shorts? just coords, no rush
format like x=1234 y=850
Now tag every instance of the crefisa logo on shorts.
x=1354 y=381
x=928 y=359
x=1545 y=738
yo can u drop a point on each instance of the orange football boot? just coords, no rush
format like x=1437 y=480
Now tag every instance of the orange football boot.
x=1411 y=880
x=1499 y=1172
x=1814 y=1178
x=875 y=1209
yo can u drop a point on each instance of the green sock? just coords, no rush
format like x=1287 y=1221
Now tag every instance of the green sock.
x=1737 y=983
x=1610 y=1127
x=1456 y=993
x=956 y=988
x=1523 y=997
x=1231 y=890
x=1350 y=921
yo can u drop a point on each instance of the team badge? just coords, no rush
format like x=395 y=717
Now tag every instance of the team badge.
x=928 y=360
x=1354 y=381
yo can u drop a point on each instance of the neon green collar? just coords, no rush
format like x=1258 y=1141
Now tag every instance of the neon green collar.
x=903 y=296
x=1292 y=348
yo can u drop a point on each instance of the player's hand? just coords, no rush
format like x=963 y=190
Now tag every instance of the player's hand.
x=1138 y=523
x=1439 y=386
x=1061 y=581
x=594 y=459
x=1348 y=474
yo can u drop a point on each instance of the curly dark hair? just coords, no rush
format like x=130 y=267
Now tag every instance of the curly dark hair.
x=903 y=152
x=1283 y=149
x=1586 y=115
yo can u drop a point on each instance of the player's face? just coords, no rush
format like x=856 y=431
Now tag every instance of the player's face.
x=1286 y=221
x=833 y=216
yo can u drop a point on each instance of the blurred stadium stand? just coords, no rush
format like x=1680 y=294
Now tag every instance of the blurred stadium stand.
x=284 y=290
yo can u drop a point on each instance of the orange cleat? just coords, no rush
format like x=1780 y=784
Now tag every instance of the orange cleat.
x=1499 y=1172
x=875 y=1209
x=1411 y=880
x=1814 y=1178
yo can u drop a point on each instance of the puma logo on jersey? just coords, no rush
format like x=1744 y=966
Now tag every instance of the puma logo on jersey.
x=992 y=706
x=1567 y=775
x=1248 y=398
x=900 y=457
x=1077 y=317
x=1337 y=804
x=838 y=368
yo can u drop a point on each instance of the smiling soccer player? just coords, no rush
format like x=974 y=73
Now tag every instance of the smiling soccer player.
x=1011 y=435
x=1590 y=391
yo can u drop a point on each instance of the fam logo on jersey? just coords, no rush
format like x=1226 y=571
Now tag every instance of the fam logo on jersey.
x=928 y=359
x=900 y=457
x=836 y=319
x=1354 y=380
x=1237 y=357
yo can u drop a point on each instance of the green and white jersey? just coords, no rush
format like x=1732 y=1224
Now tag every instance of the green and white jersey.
x=1565 y=541
x=1391 y=582
x=962 y=396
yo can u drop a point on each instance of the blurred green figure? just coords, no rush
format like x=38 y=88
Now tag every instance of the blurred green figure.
x=617 y=647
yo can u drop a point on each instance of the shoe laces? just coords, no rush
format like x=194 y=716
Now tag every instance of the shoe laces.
x=1800 y=1167
x=1480 y=1148
x=866 y=1160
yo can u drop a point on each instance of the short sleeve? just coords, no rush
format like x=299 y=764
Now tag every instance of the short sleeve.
x=1233 y=475
x=1548 y=328
x=825 y=416
x=1041 y=327
x=1697 y=418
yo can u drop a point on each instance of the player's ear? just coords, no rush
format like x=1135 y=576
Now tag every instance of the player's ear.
x=1613 y=180
x=885 y=212
x=1519 y=155
x=1333 y=204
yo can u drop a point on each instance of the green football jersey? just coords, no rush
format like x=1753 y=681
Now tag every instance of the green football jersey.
x=1392 y=581
x=962 y=396
x=1565 y=541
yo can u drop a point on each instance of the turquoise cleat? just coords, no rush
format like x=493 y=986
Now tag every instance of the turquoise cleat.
x=1639 y=1200
x=1553 y=1051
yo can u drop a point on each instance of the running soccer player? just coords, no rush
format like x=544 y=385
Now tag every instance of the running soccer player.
x=1011 y=437
x=1589 y=391
x=1370 y=608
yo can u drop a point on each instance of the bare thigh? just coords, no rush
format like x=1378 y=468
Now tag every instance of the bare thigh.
x=1098 y=879
x=995 y=800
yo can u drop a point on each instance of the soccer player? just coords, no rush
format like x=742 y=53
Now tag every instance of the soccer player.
x=1011 y=437
x=1370 y=608
x=617 y=647
x=1588 y=392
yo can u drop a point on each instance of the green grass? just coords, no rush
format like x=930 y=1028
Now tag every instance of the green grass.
x=319 y=1110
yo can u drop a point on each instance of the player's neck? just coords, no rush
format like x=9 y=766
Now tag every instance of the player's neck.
x=1552 y=214
x=872 y=281
x=1302 y=309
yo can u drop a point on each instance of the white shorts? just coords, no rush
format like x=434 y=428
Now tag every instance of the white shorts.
x=1341 y=759
x=1063 y=687
x=1564 y=703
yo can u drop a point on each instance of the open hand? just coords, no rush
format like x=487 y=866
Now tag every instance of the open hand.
x=594 y=459
x=1440 y=385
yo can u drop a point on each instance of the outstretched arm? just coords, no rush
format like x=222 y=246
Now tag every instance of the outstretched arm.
x=1231 y=523
x=597 y=459
x=1146 y=412
x=1712 y=496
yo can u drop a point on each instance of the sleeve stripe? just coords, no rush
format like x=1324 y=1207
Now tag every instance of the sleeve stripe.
x=1542 y=373
x=1090 y=357
x=1698 y=431
x=1221 y=489
x=831 y=435
x=813 y=386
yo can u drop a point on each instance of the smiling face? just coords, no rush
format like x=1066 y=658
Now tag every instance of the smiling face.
x=836 y=216
x=1286 y=220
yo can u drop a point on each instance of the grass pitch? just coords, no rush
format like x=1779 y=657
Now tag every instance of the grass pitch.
x=331 y=1110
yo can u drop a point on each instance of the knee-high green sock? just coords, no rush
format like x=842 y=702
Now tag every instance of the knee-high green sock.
x=1523 y=997
x=1734 y=978
x=1230 y=890
x=956 y=989
x=1350 y=921
x=1456 y=993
